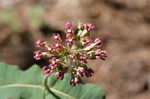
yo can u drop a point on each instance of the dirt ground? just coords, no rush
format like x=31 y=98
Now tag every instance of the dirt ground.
x=123 y=25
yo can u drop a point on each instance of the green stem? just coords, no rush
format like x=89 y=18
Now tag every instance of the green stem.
x=45 y=82
x=44 y=94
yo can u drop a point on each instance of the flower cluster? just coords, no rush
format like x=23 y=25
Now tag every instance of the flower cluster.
x=71 y=54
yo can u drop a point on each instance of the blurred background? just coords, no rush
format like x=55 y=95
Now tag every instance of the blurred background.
x=123 y=25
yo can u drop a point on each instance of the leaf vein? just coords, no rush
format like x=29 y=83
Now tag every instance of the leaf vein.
x=36 y=86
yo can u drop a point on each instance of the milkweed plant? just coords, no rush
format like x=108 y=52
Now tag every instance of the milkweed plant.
x=66 y=57
x=70 y=54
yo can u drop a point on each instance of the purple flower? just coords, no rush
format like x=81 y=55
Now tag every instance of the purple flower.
x=53 y=60
x=40 y=43
x=85 y=41
x=57 y=37
x=70 y=41
x=46 y=70
x=38 y=55
x=83 y=58
x=80 y=71
x=87 y=26
x=59 y=75
x=53 y=65
x=74 y=81
x=71 y=54
x=73 y=57
x=68 y=25
x=88 y=72
x=100 y=54
x=98 y=41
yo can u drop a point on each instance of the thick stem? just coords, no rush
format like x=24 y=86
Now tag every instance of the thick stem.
x=44 y=94
x=45 y=82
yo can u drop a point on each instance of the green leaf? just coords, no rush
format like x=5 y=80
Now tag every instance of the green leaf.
x=17 y=84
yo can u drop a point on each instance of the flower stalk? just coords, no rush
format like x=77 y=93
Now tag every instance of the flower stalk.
x=47 y=88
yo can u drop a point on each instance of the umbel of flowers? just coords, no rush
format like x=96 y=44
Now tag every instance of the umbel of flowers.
x=71 y=54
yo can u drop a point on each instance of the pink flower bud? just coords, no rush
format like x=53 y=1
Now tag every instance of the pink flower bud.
x=53 y=60
x=83 y=56
x=85 y=41
x=101 y=55
x=53 y=66
x=80 y=71
x=68 y=25
x=45 y=68
x=56 y=37
x=87 y=26
x=90 y=27
x=98 y=51
x=69 y=41
x=59 y=75
x=46 y=72
x=88 y=72
x=57 y=45
x=83 y=61
x=98 y=41
x=72 y=57
x=74 y=81
x=40 y=43
x=38 y=55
